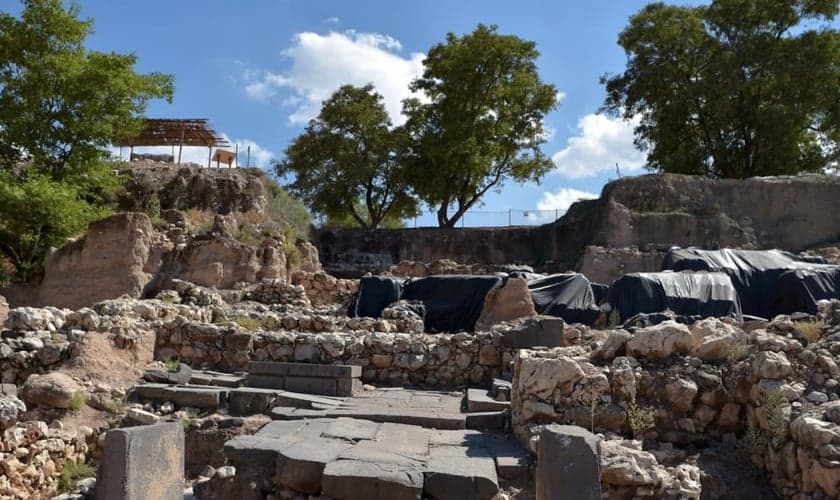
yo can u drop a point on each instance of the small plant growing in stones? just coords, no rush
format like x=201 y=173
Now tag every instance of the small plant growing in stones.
x=172 y=364
x=642 y=418
x=77 y=401
x=114 y=405
x=778 y=418
x=750 y=441
x=591 y=396
x=72 y=472
x=248 y=323
x=614 y=319
x=190 y=414
x=738 y=352
x=811 y=331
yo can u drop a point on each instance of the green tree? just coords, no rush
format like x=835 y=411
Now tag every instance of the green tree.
x=350 y=153
x=482 y=123
x=737 y=88
x=36 y=213
x=346 y=221
x=61 y=105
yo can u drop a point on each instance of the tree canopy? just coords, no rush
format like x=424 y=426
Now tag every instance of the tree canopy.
x=60 y=104
x=737 y=88
x=481 y=122
x=347 y=161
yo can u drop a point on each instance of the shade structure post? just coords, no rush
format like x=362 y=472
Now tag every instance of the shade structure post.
x=235 y=156
x=181 y=143
x=209 y=154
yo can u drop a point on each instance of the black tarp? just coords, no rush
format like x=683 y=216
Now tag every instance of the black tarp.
x=799 y=290
x=599 y=291
x=453 y=302
x=754 y=273
x=701 y=294
x=568 y=296
x=375 y=293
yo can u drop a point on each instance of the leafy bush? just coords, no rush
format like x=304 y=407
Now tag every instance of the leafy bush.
x=36 y=213
x=778 y=418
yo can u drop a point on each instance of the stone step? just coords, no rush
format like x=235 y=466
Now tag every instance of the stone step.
x=310 y=385
x=481 y=400
x=500 y=390
x=411 y=417
x=194 y=396
x=285 y=369
x=207 y=377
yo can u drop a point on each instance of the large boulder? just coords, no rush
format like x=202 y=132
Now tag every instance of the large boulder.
x=713 y=339
x=509 y=302
x=10 y=408
x=111 y=260
x=54 y=389
x=660 y=341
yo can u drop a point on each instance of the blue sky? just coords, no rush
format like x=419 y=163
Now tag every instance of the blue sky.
x=259 y=70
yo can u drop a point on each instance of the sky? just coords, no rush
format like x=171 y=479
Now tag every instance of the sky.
x=260 y=69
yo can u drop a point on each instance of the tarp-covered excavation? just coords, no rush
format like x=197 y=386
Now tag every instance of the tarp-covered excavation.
x=453 y=302
x=754 y=273
x=568 y=296
x=684 y=293
x=799 y=290
x=375 y=293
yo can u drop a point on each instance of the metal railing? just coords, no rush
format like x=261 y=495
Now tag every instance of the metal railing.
x=492 y=218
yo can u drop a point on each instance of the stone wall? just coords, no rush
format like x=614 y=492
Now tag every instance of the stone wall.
x=769 y=212
x=386 y=357
x=772 y=390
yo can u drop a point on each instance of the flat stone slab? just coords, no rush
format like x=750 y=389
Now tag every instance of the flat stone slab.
x=207 y=377
x=193 y=396
x=143 y=462
x=285 y=369
x=410 y=417
x=352 y=479
x=354 y=458
x=452 y=472
x=480 y=400
x=307 y=401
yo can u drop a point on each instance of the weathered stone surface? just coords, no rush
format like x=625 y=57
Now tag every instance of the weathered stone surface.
x=10 y=408
x=509 y=302
x=4 y=309
x=714 y=339
x=546 y=331
x=771 y=365
x=53 y=389
x=453 y=472
x=660 y=341
x=350 y=479
x=143 y=462
x=625 y=466
x=568 y=464
x=300 y=464
x=141 y=416
x=180 y=376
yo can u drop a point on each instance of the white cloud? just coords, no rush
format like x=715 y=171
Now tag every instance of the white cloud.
x=563 y=199
x=600 y=143
x=320 y=64
x=560 y=97
x=260 y=156
x=332 y=20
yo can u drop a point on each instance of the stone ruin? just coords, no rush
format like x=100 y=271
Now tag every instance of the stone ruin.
x=206 y=367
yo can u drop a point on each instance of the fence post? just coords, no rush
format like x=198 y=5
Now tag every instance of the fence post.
x=510 y=211
x=556 y=213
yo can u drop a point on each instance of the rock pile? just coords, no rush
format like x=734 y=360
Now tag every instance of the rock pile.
x=323 y=289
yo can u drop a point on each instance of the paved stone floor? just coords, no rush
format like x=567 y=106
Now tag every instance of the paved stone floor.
x=349 y=458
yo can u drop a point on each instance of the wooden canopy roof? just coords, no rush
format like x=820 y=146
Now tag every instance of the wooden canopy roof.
x=177 y=132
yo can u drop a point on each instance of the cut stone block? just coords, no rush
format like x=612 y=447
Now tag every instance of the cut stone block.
x=348 y=386
x=568 y=465
x=304 y=369
x=352 y=479
x=280 y=429
x=143 y=462
x=192 y=396
x=265 y=381
x=545 y=331
x=404 y=439
x=312 y=385
x=251 y=400
x=481 y=400
x=256 y=452
x=452 y=472
x=351 y=429
x=217 y=378
x=486 y=420
x=306 y=401
x=300 y=464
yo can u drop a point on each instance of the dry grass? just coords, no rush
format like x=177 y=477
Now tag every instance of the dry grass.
x=812 y=331
x=200 y=221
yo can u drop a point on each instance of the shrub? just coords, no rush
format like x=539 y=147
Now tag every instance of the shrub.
x=73 y=472
x=77 y=401
x=282 y=207
x=778 y=418
x=37 y=213
x=172 y=364
x=114 y=406
x=811 y=331
x=200 y=221
x=641 y=418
